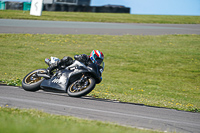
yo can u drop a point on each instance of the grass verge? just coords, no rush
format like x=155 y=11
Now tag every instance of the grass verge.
x=101 y=17
x=153 y=70
x=32 y=121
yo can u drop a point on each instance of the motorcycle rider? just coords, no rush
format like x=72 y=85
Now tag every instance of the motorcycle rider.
x=95 y=56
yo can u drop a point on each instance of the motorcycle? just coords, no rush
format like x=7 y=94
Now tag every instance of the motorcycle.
x=76 y=79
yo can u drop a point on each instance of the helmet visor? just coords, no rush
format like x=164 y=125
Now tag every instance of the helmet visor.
x=99 y=61
x=102 y=65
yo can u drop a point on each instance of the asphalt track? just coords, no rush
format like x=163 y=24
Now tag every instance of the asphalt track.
x=135 y=115
x=131 y=114
x=63 y=27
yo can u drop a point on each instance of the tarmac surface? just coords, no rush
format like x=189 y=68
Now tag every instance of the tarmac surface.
x=129 y=114
x=63 y=27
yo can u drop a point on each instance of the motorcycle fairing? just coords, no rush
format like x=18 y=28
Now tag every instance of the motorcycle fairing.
x=95 y=72
x=58 y=81
x=61 y=79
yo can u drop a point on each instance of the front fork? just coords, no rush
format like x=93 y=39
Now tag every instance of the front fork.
x=83 y=79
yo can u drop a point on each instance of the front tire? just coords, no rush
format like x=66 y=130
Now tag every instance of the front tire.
x=31 y=83
x=74 y=90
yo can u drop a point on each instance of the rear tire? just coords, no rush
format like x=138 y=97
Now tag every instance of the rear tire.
x=74 y=92
x=30 y=83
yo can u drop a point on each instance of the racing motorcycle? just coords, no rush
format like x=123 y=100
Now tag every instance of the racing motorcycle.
x=76 y=79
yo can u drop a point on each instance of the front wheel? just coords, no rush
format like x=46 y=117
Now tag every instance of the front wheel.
x=81 y=88
x=31 y=82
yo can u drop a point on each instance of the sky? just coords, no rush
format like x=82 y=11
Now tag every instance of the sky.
x=157 y=7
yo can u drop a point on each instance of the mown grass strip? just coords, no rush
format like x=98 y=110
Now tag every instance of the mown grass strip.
x=153 y=70
x=13 y=120
x=101 y=17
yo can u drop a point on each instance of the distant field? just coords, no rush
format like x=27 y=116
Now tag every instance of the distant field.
x=159 y=71
x=100 y=17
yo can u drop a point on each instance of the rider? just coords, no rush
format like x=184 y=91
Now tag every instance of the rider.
x=95 y=56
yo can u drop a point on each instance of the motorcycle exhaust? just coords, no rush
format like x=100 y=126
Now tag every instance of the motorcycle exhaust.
x=44 y=76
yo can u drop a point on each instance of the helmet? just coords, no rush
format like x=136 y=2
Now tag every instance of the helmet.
x=97 y=57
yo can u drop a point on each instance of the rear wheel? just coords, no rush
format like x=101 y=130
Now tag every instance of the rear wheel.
x=31 y=82
x=81 y=87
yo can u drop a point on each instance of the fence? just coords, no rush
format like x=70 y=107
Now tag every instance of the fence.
x=79 y=8
x=63 y=7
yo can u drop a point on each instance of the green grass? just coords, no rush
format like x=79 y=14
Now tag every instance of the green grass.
x=159 y=71
x=33 y=121
x=101 y=17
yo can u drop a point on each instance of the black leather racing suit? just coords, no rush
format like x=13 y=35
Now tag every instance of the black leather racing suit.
x=83 y=58
x=66 y=61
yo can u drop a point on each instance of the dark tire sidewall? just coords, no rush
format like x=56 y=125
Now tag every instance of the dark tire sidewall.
x=34 y=86
x=84 y=92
